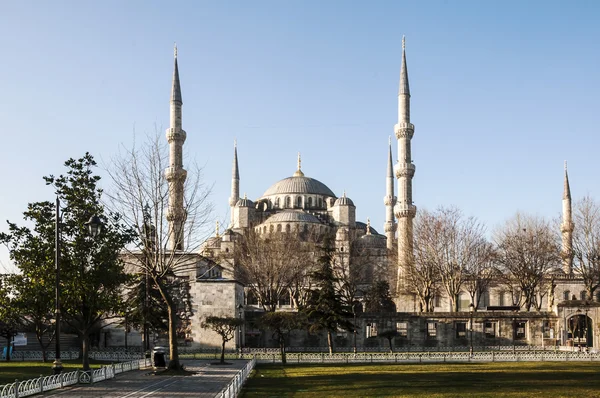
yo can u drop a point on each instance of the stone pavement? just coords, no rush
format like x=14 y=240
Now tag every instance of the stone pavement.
x=209 y=379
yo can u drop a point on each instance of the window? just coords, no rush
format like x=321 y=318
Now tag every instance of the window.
x=276 y=202
x=501 y=300
x=461 y=330
x=520 y=330
x=309 y=202
x=287 y=228
x=402 y=329
x=437 y=301
x=288 y=202
x=489 y=328
x=299 y=201
x=251 y=299
x=583 y=295
x=285 y=299
x=566 y=295
x=320 y=202
x=371 y=329
x=432 y=329
x=546 y=330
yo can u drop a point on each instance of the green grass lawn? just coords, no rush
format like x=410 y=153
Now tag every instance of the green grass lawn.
x=498 y=379
x=9 y=371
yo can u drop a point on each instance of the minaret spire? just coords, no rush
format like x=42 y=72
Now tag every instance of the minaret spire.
x=405 y=170
x=175 y=173
x=567 y=227
x=389 y=200
x=235 y=184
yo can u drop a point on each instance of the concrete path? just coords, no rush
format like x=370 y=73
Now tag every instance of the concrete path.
x=207 y=382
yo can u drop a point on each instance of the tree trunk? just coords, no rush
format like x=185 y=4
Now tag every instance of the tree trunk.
x=85 y=351
x=282 y=350
x=173 y=349
x=391 y=346
x=42 y=346
x=223 y=352
x=330 y=341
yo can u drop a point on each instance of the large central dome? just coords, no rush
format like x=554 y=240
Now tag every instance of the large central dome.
x=299 y=184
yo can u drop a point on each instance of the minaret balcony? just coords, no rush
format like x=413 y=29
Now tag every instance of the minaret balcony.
x=176 y=135
x=403 y=210
x=175 y=174
x=404 y=170
x=404 y=129
x=389 y=200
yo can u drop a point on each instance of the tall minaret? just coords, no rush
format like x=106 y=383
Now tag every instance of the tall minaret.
x=389 y=200
x=566 y=228
x=405 y=170
x=175 y=174
x=235 y=184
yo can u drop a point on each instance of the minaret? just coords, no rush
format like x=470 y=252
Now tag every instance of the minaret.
x=405 y=170
x=175 y=174
x=566 y=228
x=235 y=185
x=389 y=200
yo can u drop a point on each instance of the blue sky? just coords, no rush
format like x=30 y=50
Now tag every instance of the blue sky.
x=502 y=93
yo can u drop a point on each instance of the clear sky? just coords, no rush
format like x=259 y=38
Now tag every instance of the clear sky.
x=502 y=93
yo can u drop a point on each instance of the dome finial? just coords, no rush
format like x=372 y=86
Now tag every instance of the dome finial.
x=245 y=196
x=403 y=42
x=217 y=229
x=299 y=172
x=565 y=165
x=368 y=226
x=175 y=49
x=344 y=193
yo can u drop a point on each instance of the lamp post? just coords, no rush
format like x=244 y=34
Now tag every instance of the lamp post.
x=94 y=226
x=354 y=326
x=240 y=313
x=471 y=310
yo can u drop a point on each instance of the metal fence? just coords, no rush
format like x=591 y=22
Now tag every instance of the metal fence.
x=46 y=383
x=117 y=356
x=430 y=357
x=235 y=386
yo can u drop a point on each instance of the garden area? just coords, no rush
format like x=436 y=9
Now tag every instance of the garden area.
x=500 y=379
x=9 y=371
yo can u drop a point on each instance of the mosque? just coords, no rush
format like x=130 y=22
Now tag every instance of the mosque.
x=302 y=203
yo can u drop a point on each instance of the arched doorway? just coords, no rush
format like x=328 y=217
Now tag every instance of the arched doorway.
x=580 y=331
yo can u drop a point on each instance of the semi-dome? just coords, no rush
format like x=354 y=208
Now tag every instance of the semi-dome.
x=244 y=202
x=299 y=184
x=292 y=216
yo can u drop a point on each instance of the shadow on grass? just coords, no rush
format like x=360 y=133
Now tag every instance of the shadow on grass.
x=427 y=380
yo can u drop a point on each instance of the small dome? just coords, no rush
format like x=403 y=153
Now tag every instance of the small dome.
x=374 y=241
x=344 y=201
x=244 y=202
x=292 y=216
x=363 y=226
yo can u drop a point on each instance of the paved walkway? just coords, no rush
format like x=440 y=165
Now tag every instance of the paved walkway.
x=207 y=382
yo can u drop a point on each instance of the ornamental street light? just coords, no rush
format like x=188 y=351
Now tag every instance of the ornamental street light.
x=471 y=310
x=94 y=226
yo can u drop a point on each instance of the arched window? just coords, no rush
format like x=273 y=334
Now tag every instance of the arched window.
x=287 y=228
x=566 y=295
x=271 y=228
x=278 y=227
x=320 y=202
x=310 y=202
x=288 y=202
x=277 y=202
x=583 y=295
x=299 y=201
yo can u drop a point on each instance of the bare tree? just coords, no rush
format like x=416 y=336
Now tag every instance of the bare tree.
x=586 y=243
x=140 y=193
x=528 y=253
x=273 y=264
x=457 y=242
x=481 y=273
x=422 y=278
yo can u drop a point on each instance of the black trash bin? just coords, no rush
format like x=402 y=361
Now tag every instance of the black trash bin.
x=159 y=358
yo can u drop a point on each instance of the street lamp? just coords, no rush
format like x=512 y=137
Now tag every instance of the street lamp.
x=471 y=310
x=94 y=226
x=240 y=313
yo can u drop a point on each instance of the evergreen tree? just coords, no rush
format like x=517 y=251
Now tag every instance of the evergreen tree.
x=379 y=299
x=325 y=309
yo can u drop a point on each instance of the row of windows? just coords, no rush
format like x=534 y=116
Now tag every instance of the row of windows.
x=298 y=203
x=288 y=228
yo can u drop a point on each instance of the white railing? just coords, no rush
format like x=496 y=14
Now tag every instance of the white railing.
x=29 y=387
x=235 y=386
x=98 y=355
x=412 y=357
